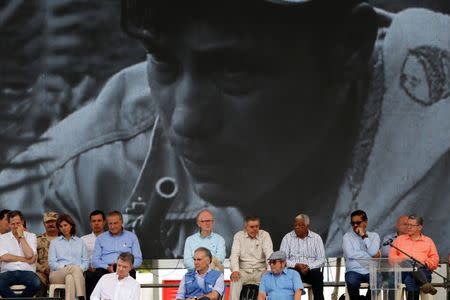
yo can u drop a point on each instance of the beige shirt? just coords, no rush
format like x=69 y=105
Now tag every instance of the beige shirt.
x=250 y=253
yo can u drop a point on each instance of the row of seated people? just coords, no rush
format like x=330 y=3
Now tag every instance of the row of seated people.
x=251 y=249
x=97 y=266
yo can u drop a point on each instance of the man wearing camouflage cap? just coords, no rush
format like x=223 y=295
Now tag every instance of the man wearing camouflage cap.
x=313 y=103
x=43 y=244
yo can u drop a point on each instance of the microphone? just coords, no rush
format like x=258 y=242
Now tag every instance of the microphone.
x=388 y=242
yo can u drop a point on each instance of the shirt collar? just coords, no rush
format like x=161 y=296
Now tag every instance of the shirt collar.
x=61 y=237
x=197 y=273
x=256 y=237
x=419 y=239
x=205 y=237
x=295 y=235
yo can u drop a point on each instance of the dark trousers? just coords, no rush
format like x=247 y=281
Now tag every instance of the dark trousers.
x=353 y=281
x=27 y=278
x=93 y=277
x=414 y=280
x=315 y=278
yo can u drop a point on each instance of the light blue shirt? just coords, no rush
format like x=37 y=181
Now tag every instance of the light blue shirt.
x=108 y=247
x=219 y=285
x=356 y=248
x=214 y=242
x=282 y=286
x=64 y=252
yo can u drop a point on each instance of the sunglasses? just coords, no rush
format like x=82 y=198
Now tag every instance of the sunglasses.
x=356 y=223
x=272 y=262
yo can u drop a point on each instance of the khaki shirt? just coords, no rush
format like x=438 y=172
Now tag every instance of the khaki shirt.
x=43 y=243
x=250 y=253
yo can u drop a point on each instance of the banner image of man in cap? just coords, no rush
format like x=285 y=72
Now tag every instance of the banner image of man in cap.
x=331 y=106
x=43 y=244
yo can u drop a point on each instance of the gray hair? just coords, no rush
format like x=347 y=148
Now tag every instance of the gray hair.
x=303 y=217
x=202 y=211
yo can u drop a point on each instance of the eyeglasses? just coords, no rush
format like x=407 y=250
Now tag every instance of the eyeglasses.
x=206 y=221
x=356 y=223
x=411 y=225
x=272 y=262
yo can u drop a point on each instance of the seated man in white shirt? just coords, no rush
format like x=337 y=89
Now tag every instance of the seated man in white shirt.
x=18 y=255
x=201 y=283
x=248 y=260
x=305 y=254
x=119 y=285
x=97 y=221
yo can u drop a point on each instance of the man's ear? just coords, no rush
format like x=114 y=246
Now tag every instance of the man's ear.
x=356 y=42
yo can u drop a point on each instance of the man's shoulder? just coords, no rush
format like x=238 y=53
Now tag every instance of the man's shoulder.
x=122 y=109
x=218 y=237
x=263 y=233
x=314 y=234
x=193 y=237
x=129 y=234
x=373 y=234
x=29 y=235
x=87 y=236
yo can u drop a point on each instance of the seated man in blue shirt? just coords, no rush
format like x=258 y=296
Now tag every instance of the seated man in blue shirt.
x=280 y=283
x=201 y=283
x=205 y=238
x=107 y=249
x=358 y=245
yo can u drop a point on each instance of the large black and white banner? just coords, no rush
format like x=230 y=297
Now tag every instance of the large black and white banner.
x=260 y=126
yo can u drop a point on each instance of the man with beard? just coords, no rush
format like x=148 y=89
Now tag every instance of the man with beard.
x=332 y=102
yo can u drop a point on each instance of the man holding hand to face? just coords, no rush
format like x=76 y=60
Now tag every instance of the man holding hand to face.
x=18 y=256
x=359 y=244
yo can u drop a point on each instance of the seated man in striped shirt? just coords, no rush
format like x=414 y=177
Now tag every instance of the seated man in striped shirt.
x=305 y=253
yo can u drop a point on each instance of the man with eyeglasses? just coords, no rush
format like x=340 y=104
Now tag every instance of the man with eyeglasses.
x=205 y=237
x=280 y=283
x=305 y=254
x=202 y=282
x=359 y=244
x=423 y=249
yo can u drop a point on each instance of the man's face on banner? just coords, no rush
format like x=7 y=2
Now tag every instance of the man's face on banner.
x=241 y=107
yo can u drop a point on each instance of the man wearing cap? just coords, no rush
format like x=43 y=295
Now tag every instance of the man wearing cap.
x=331 y=102
x=305 y=254
x=43 y=244
x=280 y=282
x=248 y=259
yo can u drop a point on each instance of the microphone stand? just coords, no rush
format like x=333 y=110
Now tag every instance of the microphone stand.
x=417 y=262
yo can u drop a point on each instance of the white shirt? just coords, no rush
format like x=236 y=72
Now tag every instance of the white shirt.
x=89 y=240
x=110 y=287
x=10 y=245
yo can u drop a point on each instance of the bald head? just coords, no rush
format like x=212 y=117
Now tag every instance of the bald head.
x=402 y=225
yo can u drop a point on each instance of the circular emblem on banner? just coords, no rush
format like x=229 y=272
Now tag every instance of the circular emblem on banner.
x=425 y=75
